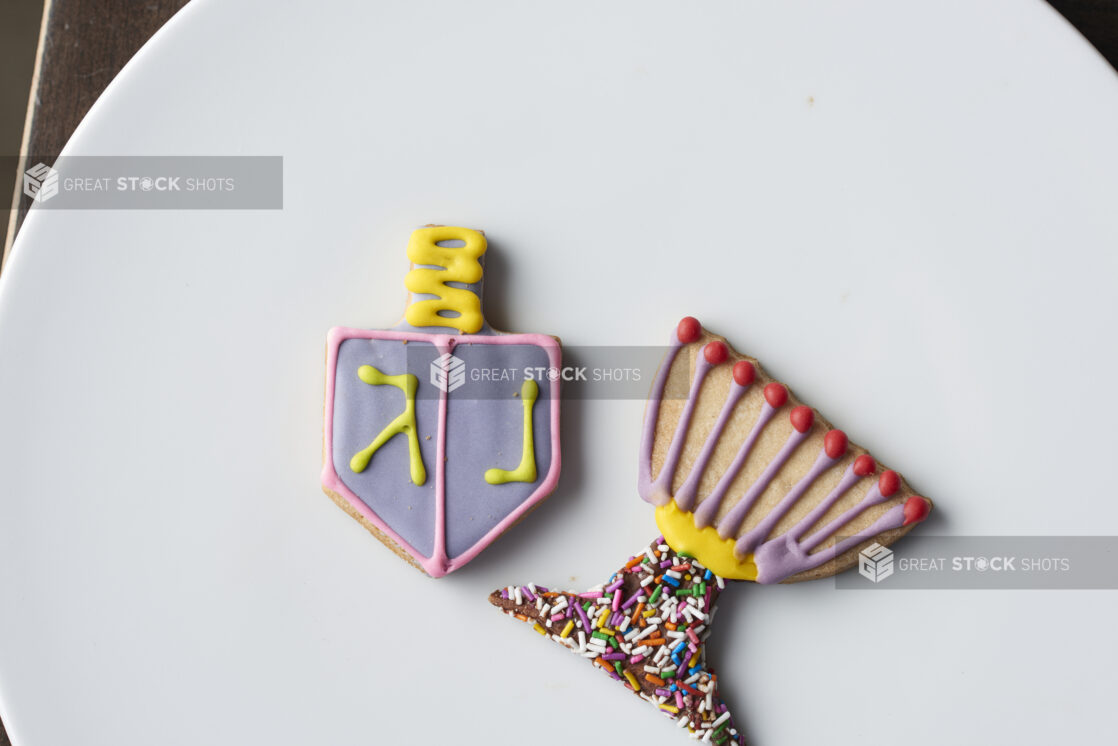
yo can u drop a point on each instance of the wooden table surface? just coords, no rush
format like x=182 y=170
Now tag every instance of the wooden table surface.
x=85 y=43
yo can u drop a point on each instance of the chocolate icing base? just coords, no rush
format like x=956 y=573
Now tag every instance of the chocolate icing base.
x=683 y=688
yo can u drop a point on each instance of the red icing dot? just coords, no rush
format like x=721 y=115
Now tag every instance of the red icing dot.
x=744 y=372
x=888 y=483
x=834 y=443
x=802 y=417
x=864 y=465
x=916 y=509
x=776 y=395
x=688 y=330
x=716 y=353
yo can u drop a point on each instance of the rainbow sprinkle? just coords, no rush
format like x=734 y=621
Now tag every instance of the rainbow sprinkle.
x=644 y=627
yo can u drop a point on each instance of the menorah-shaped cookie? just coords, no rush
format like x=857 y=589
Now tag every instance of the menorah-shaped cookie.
x=748 y=484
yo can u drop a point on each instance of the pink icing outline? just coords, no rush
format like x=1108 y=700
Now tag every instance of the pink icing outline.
x=438 y=564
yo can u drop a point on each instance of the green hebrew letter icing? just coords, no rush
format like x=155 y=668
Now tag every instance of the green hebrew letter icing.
x=405 y=423
x=526 y=472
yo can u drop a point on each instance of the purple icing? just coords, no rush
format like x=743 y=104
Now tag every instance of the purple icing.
x=782 y=557
x=484 y=429
x=760 y=532
x=661 y=491
x=779 y=557
x=645 y=486
x=361 y=411
x=708 y=509
x=688 y=491
x=731 y=522
x=485 y=422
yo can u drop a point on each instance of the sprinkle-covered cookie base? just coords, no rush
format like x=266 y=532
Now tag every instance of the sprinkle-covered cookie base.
x=644 y=627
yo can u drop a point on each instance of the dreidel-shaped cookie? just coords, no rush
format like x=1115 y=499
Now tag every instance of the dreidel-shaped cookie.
x=438 y=436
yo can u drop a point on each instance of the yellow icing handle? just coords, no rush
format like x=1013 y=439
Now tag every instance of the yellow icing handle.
x=704 y=544
x=526 y=471
x=454 y=307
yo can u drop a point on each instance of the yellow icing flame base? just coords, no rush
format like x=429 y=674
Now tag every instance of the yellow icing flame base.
x=704 y=544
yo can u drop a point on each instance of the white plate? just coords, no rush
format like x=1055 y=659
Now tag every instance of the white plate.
x=906 y=210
